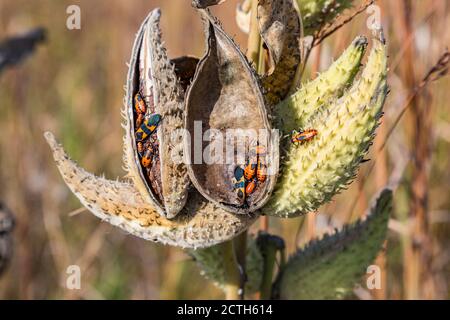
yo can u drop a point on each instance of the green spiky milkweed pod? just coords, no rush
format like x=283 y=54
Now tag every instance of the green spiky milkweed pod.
x=314 y=172
x=330 y=84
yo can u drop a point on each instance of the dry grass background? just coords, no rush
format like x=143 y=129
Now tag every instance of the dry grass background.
x=73 y=86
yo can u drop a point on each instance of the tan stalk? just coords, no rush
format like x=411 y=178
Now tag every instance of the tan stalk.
x=418 y=128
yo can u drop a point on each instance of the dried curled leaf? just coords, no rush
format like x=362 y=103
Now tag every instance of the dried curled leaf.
x=272 y=20
x=280 y=29
x=329 y=268
x=224 y=105
x=164 y=182
x=316 y=171
x=243 y=16
x=200 y=224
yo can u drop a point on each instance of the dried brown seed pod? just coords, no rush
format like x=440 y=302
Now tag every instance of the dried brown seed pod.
x=280 y=29
x=135 y=207
x=200 y=223
x=225 y=105
x=163 y=181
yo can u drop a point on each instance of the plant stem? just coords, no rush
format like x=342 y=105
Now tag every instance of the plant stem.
x=261 y=61
x=264 y=223
x=416 y=254
x=269 y=264
x=240 y=249
x=269 y=245
x=232 y=273
x=254 y=38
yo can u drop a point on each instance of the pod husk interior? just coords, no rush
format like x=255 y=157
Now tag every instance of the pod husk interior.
x=225 y=94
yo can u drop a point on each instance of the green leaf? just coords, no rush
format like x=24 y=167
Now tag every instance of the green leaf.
x=330 y=267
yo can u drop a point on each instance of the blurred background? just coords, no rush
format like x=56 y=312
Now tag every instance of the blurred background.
x=73 y=86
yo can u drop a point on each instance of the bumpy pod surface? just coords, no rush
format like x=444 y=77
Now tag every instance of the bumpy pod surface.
x=165 y=182
x=200 y=224
x=210 y=262
x=315 y=171
x=226 y=119
x=294 y=110
x=316 y=13
x=330 y=267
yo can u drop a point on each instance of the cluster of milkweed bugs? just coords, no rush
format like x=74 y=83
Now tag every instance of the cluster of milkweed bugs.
x=302 y=136
x=145 y=134
x=254 y=172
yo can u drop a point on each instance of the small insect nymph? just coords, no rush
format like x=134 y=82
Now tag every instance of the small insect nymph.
x=140 y=117
x=147 y=158
x=261 y=170
x=150 y=124
x=251 y=186
x=239 y=185
x=140 y=148
x=250 y=170
x=303 y=136
x=139 y=104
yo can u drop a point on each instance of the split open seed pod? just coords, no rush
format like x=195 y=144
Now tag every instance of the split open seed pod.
x=135 y=207
x=228 y=127
x=153 y=114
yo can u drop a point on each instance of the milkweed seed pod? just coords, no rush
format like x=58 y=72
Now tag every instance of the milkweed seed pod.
x=148 y=206
x=219 y=101
x=162 y=179
x=314 y=173
x=199 y=224
x=292 y=112
x=225 y=104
